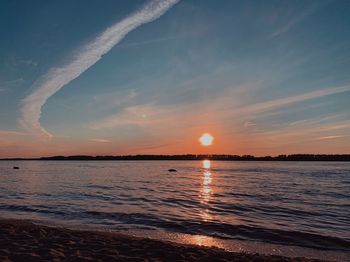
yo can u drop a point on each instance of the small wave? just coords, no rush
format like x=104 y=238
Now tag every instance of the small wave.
x=242 y=232
x=99 y=187
x=33 y=209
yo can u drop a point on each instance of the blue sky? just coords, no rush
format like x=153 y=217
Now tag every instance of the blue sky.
x=264 y=77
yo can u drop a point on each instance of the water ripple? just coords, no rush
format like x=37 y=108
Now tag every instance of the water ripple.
x=289 y=203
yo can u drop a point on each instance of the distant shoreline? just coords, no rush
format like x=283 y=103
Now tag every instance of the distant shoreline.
x=193 y=157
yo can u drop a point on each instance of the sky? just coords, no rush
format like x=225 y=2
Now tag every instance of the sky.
x=150 y=77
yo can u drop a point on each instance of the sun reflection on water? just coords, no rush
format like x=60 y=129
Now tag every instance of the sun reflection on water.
x=206 y=164
x=206 y=190
x=202 y=240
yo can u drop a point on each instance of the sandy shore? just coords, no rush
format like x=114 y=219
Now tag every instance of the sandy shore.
x=24 y=241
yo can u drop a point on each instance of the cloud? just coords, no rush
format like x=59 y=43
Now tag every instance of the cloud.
x=344 y=125
x=12 y=82
x=29 y=62
x=5 y=86
x=114 y=99
x=249 y=124
x=89 y=54
x=139 y=115
x=99 y=140
x=328 y=137
x=207 y=112
x=10 y=132
x=313 y=130
x=265 y=106
x=296 y=19
x=299 y=122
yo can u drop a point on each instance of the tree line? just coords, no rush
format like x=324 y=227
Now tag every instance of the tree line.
x=221 y=157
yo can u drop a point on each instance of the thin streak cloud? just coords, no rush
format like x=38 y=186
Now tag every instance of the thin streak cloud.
x=328 y=137
x=264 y=106
x=89 y=54
x=99 y=140
x=295 y=20
x=10 y=132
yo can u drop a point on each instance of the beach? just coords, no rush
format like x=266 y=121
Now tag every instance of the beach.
x=26 y=241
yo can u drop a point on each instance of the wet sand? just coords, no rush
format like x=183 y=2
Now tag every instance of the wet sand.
x=25 y=241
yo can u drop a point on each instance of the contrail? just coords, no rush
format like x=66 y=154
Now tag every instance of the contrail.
x=91 y=53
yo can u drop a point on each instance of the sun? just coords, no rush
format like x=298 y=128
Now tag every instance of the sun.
x=206 y=139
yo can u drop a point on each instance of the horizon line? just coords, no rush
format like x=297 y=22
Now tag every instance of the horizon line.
x=218 y=157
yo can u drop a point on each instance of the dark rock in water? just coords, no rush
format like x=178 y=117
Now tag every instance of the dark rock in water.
x=172 y=170
x=15 y=167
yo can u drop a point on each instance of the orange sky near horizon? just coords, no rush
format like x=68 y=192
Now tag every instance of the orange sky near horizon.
x=22 y=145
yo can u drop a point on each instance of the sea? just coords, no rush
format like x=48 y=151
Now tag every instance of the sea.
x=281 y=208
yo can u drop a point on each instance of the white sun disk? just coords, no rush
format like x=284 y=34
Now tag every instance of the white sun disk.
x=206 y=139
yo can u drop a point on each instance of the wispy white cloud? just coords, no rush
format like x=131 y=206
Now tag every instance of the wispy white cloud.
x=293 y=21
x=12 y=82
x=216 y=112
x=99 y=140
x=328 y=137
x=11 y=132
x=91 y=53
x=336 y=126
x=280 y=102
x=6 y=86
x=249 y=124
x=29 y=62
x=309 y=131
x=139 y=115
x=114 y=99
x=299 y=122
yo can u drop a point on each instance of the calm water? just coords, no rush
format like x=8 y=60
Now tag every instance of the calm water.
x=303 y=204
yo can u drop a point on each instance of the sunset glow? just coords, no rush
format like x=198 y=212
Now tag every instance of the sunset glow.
x=206 y=139
x=110 y=85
